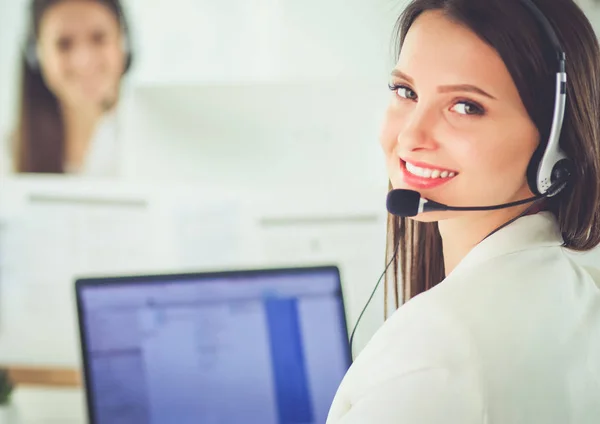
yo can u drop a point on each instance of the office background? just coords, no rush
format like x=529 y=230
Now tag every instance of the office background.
x=249 y=133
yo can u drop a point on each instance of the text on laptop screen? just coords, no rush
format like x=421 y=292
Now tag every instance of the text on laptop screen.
x=252 y=347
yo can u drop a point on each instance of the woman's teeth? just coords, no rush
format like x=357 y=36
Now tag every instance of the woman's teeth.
x=428 y=173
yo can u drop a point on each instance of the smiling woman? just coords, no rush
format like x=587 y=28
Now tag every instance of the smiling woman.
x=466 y=116
x=75 y=56
x=495 y=322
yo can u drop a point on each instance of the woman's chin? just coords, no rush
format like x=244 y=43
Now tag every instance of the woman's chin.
x=429 y=217
x=436 y=216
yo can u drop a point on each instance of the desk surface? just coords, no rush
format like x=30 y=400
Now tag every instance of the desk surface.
x=44 y=376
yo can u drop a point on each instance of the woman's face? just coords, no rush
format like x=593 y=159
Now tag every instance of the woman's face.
x=81 y=52
x=456 y=129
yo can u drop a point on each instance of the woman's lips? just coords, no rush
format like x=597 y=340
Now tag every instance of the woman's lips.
x=419 y=182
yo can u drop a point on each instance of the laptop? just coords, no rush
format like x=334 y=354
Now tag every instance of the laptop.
x=266 y=346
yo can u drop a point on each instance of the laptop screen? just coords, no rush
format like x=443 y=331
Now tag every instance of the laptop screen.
x=267 y=346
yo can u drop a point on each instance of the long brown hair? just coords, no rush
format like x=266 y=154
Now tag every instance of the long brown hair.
x=510 y=28
x=38 y=142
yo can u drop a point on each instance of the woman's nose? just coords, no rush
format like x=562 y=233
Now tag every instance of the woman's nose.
x=82 y=59
x=417 y=133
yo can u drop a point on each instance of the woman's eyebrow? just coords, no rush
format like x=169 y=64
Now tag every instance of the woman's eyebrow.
x=447 y=88
x=464 y=87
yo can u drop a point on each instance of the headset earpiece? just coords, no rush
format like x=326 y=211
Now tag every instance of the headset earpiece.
x=532 y=170
x=126 y=40
x=561 y=175
x=30 y=53
x=127 y=51
x=561 y=172
x=549 y=166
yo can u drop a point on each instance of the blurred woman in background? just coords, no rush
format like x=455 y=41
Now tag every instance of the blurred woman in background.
x=76 y=54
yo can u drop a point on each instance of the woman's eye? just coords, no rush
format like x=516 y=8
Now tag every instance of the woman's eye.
x=98 y=38
x=468 y=108
x=64 y=44
x=404 y=92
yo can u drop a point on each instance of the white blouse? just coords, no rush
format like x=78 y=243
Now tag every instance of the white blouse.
x=104 y=156
x=511 y=336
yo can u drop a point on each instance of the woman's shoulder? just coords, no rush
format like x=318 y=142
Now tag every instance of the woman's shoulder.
x=520 y=305
x=421 y=334
x=493 y=297
x=420 y=341
x=517 y=303
x=487 y=310
x=523 y=265
x=524 y=279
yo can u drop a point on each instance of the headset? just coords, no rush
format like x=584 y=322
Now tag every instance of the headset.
x=548 y=173
x=30 y=52
x=550 y=169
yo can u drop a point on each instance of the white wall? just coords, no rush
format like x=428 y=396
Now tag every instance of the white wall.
x=265 y=40
x=592 y=10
